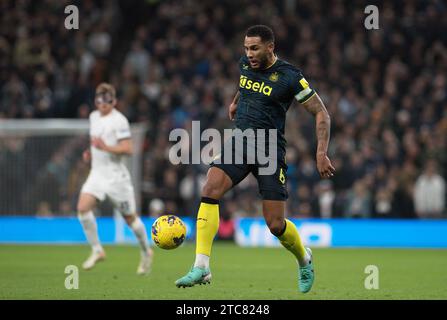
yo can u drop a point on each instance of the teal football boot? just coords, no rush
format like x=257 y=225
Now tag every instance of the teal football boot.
x=306 y=275
x=196 y=275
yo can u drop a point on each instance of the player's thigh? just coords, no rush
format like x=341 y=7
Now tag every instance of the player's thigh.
x=218 y=181
x=227 y=169
x=273 y=190
x=86 y=202
x=224 y=173
x=273 y=186
x=274 y=215
x=92 y=190
x=122 y=196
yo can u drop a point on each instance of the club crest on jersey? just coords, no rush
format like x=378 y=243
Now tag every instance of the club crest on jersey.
x=260 y=87
x=274 y=77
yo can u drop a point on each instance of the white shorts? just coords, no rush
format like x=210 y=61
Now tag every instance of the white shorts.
x=120 y=192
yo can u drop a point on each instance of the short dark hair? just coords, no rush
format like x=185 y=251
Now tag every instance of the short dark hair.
x=262 y=31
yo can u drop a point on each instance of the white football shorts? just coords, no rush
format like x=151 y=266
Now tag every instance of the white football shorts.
x=120 y=192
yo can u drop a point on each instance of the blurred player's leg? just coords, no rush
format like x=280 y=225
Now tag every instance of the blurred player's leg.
x=86 y=204
x=123 y=197
x=139 y=229
x=216 y=185
x=288 y=236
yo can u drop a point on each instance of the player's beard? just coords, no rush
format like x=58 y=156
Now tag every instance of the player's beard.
x=263 y=62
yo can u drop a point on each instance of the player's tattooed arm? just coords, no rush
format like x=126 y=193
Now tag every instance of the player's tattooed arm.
x=323 y=121
x=233 y=107
x=323 y=127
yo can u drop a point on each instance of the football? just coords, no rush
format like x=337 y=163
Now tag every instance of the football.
x=168 y=232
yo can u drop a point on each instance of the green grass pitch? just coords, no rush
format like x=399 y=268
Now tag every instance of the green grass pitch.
x=38 y=272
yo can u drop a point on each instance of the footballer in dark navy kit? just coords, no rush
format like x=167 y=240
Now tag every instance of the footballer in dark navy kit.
x=264 y=98
x=267 y=87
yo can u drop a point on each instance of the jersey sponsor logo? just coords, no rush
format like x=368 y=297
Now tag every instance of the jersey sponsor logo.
x=260 y=87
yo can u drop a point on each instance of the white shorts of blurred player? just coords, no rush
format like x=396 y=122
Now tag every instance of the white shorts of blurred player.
x=119 y=191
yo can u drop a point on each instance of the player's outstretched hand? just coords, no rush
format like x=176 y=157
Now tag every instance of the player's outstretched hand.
x=232 y=111
x=86 y=156
x=324 y=166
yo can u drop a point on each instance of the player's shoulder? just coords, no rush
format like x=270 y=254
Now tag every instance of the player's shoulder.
x=288 y=68
x=95 y=114
x=118 y=116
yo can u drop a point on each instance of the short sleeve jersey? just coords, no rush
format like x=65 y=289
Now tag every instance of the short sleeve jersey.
x=111 y=128
x=266 y=95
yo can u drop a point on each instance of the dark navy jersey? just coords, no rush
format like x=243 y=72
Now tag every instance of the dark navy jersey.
x=265 y=96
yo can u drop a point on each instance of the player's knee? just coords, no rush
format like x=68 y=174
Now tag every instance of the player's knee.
x=129 y=219
x=82 y=208
x=276 y=226
x=212 y=190
x=85 y=204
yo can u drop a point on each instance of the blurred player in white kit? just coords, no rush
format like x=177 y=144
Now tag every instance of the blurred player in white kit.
x=109 y=177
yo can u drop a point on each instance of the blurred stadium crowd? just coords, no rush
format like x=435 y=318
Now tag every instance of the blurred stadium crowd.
x=176 y=61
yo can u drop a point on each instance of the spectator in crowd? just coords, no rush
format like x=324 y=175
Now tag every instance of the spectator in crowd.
x=326 y=197
x=430 y=192
x=137 y=60
x=156 y=208
x=44 y=209
x=358 y=202
x=383 y=203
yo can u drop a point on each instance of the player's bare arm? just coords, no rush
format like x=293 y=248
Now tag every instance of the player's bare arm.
x=323 y=127
x=233 y=106
x=123 y=147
